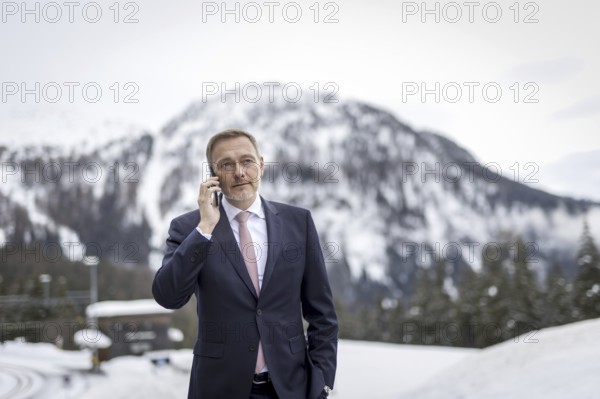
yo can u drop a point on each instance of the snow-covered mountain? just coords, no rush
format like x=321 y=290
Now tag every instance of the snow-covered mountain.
x=384 y=197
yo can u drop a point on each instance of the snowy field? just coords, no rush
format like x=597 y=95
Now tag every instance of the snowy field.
x=560 y=362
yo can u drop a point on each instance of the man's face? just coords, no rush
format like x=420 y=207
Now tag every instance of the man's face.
x=239 y=169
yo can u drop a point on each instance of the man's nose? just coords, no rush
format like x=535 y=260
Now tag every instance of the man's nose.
x=239 y=170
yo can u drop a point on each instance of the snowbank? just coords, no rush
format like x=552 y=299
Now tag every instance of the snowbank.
x=559 y=362
x=554 y=363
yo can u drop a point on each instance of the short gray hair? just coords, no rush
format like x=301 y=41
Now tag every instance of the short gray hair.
x=227 y=134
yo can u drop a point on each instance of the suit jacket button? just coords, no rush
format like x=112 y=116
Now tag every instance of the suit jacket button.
x=252 y=348
x=259 y=312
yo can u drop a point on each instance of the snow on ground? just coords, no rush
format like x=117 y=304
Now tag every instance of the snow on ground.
x=131 y=377
x=376 y=370
x=554 y=363
x=30 y=371
x=125 y=308
x=18 y=382
x=559 y=362
x=366 y=370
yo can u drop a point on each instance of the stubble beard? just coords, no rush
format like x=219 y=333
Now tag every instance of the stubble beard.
x=242 y=197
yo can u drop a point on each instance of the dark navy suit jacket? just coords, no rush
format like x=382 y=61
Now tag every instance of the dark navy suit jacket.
x=231 y=317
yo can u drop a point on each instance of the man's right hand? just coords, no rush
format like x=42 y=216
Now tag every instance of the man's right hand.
x=209 y=213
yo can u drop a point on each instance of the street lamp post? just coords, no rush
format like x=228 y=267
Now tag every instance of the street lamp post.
x=92 y=262
x=45 y=279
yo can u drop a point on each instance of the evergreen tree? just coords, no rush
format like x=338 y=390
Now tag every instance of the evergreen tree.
x=586 y=285
x=431 y=308
x=416 y=315
x=388 y=319
x=64 y=308
x=525 y=298
x=495 y=297
x=35 y=309
x=469 y=305
x=371 y=322
x=396 y=320
x=440 y=308
x=557 y=304
x=420 y=295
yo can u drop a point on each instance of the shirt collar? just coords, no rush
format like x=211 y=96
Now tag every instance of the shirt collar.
x=232 y=211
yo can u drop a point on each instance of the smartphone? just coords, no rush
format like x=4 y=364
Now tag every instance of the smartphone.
x=215 y=200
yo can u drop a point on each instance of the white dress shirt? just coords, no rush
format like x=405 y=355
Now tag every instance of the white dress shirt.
x=257 y=225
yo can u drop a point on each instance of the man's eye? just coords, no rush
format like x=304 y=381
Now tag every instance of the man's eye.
x=227 y=165
x=247 y=161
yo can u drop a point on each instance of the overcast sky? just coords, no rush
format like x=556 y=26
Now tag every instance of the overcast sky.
x=380 y=52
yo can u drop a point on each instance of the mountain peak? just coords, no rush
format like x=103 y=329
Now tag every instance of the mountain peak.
x=386 y=199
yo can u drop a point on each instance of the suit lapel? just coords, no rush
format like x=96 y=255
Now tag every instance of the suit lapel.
x=275 y=238
x=224 y=236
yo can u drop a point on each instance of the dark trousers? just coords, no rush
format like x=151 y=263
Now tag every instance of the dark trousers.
x=263 y=391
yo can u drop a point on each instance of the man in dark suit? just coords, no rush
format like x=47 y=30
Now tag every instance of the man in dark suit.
x=257 y=269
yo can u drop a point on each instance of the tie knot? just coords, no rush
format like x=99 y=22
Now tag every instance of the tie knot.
x=242 y=217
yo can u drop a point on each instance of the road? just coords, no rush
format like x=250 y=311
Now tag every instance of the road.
x=18 y=382
x=41 y=371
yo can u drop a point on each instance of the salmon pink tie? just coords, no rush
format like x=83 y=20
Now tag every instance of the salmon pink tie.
x=249 y=255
